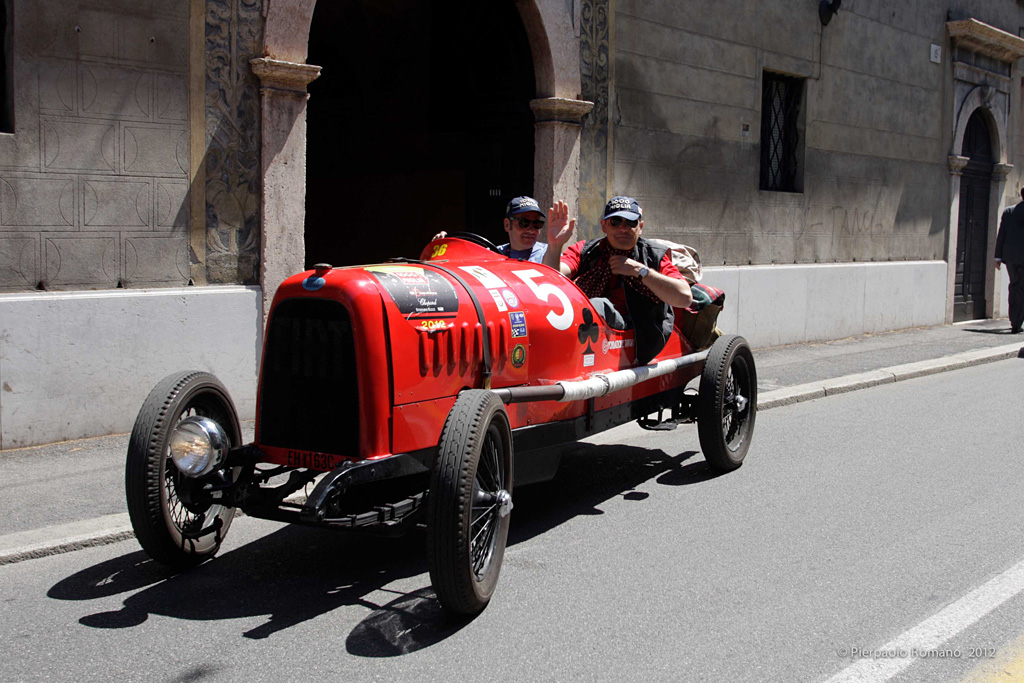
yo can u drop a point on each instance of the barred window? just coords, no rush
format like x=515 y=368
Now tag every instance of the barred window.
x=781 y=133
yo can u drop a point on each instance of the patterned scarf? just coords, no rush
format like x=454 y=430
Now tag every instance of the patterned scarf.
x=594 y=282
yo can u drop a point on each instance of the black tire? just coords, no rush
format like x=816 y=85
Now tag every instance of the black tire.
x=469 y=500
x=727 y=403
x=168 y=528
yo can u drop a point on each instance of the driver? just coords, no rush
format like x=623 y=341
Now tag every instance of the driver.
x=631 y=282
x=523 y=223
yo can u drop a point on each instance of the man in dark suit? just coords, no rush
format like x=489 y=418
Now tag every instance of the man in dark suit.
x=1010 y=250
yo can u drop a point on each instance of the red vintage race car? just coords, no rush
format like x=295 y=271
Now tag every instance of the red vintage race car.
x=417 y=392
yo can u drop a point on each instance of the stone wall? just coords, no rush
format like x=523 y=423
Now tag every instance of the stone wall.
x=94 y=181
x=129 y=113
x=686 y=113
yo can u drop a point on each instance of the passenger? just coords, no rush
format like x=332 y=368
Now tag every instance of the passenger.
x=631 y=282
x=523 y=223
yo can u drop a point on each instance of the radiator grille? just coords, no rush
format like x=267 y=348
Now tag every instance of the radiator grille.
x=309 y=391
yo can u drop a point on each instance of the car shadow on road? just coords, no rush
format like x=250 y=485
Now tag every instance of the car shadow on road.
x=289 y=576
x=590 y=475
x=295 y=574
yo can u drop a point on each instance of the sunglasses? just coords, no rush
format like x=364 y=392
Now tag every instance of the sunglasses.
x=526 y=223
x=616 y=221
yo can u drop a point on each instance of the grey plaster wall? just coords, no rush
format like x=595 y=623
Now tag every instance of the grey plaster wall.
x=685 y=112
x=94 y=180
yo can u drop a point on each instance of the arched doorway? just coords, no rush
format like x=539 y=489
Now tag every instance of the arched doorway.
x=972 y=225
x=419 y=122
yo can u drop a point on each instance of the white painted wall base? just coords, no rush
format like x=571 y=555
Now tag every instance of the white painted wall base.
x=773 y=305
x=78 y=364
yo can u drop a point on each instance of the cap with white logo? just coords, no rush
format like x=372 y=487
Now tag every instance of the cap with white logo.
x=627 y=207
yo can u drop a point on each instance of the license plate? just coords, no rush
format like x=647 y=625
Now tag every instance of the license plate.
x=312 y=460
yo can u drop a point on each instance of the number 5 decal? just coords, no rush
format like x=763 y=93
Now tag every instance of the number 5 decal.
x=544 y=291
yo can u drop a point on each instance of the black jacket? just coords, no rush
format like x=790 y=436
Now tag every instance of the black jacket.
x=652 y=321
x=1010 y=241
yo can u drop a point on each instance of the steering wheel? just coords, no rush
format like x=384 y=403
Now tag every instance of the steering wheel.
x=476 y=239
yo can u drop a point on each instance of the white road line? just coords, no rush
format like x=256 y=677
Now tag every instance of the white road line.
x=933 y=632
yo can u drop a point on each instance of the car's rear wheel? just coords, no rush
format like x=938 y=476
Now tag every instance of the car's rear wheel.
x=727 y=403
x=173 y=521
x=469 y=502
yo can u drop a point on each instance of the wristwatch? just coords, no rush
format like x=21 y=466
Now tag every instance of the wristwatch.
x=644 y=272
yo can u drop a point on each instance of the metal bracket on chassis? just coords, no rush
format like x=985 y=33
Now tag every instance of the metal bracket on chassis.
x=238 y=485
x=323 y=506
x=682 y=413
x=260 y=501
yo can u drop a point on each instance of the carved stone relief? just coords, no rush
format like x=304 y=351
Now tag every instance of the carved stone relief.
x=233 y=37
x=594 y=76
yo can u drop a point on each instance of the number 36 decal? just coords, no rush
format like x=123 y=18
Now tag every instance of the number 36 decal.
x=544 y=291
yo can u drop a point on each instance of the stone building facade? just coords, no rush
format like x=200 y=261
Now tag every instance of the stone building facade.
x=96 y=175
x=129 y=208
x=836 y=178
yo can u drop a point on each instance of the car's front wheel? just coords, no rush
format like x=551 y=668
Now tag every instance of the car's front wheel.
x=174 y=521
x=469 y=502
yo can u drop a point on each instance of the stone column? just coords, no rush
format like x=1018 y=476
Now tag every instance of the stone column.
x=995 y=209
x=556 y=169
x=956 y=169
x=283 y=160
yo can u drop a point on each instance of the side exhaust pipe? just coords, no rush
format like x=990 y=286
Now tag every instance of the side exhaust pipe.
x=598 y=384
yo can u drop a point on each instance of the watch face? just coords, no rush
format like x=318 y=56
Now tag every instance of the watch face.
x=644 y=271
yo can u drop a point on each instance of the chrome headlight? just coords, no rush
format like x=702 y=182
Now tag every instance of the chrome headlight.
x=198 y=446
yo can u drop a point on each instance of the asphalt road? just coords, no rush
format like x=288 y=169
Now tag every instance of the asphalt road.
x=859 y=522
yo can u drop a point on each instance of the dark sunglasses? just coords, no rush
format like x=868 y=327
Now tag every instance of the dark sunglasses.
x=526 y=223
x=616 y=221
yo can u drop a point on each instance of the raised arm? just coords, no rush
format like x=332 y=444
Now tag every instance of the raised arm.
x=560 y=231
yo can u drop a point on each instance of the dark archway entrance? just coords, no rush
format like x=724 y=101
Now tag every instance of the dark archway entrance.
x=972 y=227
x=420 y=122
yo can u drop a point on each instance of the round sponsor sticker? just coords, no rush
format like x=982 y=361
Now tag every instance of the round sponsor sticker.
x=518 y=355
x=313 y=283
x=510 y=298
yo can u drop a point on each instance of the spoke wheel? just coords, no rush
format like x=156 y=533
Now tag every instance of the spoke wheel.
x=727 y=403
x=172 y=522
x=469 y=502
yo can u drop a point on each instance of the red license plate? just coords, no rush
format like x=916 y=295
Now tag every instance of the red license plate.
x=313 y=461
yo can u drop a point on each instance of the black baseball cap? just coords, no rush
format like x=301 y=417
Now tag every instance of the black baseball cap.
x=522 y=205
x=627 y=207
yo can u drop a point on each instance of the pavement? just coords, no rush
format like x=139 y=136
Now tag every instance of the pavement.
x=70 y=495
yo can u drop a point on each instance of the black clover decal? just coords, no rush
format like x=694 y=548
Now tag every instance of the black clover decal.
x=588 y=331
x=589 y=328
